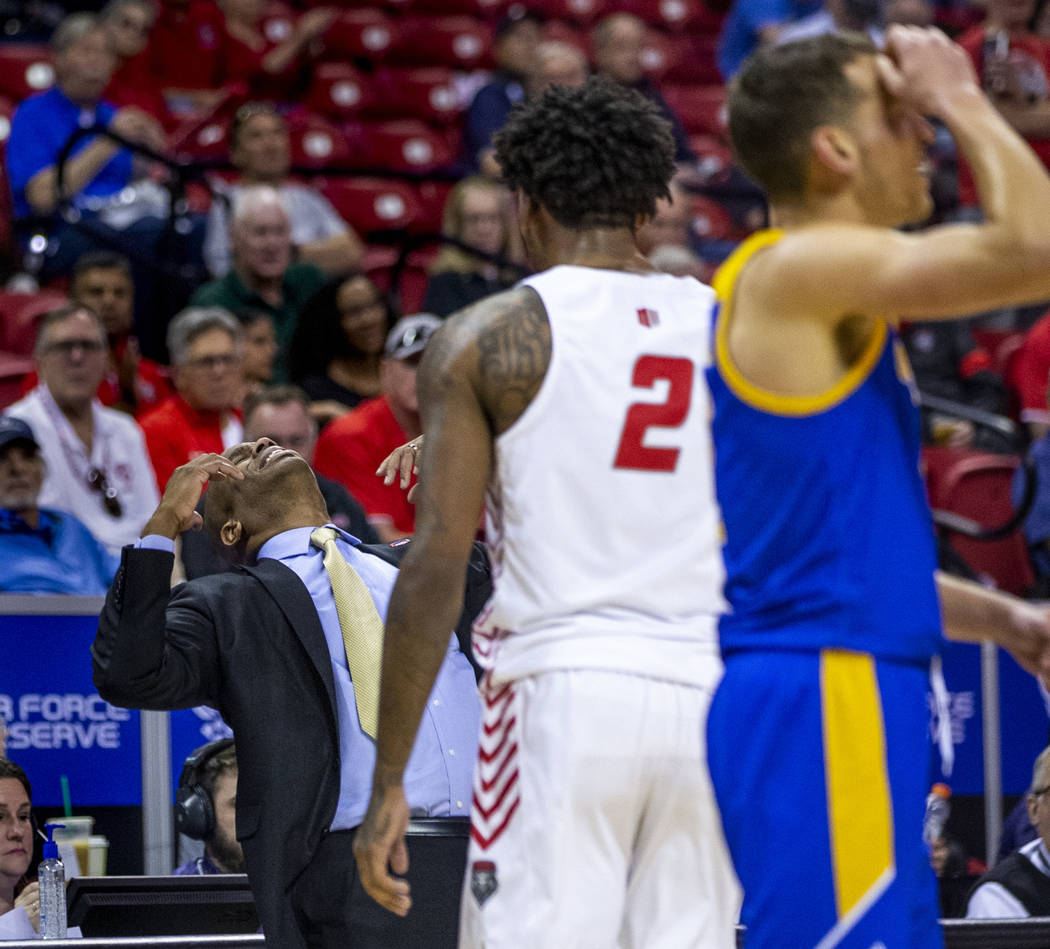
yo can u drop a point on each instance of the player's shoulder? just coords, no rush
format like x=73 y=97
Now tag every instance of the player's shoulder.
x=510 y=319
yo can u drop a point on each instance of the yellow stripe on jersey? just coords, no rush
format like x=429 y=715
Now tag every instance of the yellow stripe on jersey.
x=860 y=812
x=764 y=400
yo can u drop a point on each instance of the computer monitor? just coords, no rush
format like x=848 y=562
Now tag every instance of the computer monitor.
x=213 y=904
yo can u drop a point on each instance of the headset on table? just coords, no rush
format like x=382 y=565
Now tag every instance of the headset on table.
x=194 y=807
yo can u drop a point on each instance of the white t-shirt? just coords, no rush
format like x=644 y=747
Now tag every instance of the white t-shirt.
x=601 y=515
x=118 y=450
x=994 y=901
x=311 y=215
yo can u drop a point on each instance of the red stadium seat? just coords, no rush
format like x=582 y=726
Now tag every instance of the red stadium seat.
x=694 y=60
x=413 y=283
x=567 y=33
x=584 y=12
x=19 y=315
x=701 y=108
x=433 y=195
x=407 y=146
x=317 y=144
x=370 y=205
x=976 y=485
x=675 y=15
x=278 y=21
x=712 y=221
x=13 y=369
x=338 y=90
x=428 y=94
x=713 y=156
x=25 y=69
x=481 y=9
x=455 y=42
x=204 y=138
x=367 y=33
x=7 y=109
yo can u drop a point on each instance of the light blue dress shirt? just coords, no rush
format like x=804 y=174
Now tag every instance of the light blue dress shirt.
x=438 y=779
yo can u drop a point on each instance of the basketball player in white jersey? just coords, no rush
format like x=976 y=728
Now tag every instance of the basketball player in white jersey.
x=593 y=821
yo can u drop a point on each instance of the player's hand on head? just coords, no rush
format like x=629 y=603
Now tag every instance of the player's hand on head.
x=924 y=68
x=379 y=847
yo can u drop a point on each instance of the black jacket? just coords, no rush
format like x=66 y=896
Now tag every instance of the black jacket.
x=249 y=644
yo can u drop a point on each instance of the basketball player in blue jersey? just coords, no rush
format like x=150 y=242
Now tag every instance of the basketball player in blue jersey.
x=817 y=735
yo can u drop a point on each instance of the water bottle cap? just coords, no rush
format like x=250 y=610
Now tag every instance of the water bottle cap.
x=941 y=790
x=50 y=847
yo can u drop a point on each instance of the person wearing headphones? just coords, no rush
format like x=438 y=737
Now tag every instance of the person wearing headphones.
x=206 y=809
x=16 y=843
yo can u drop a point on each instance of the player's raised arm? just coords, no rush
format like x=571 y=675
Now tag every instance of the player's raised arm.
x=846 y=259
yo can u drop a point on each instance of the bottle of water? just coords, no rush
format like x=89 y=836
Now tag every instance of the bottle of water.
x=51 y=875
x=937 y=810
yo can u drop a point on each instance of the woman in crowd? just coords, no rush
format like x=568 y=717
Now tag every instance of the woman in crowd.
x=478 y=212
x=338 y=344
x=16 y=843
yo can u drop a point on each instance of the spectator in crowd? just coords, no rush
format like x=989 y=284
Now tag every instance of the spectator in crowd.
x=1013 y=64
x=128 y=24
x=206 y=350
x=351 y=448
x=263 y=276
x=16 y=830
x=1028 y=375
x=97 y=467
x=516 y=37
x=837 y=16
x=281 y=413
x=669 y=226
x=133 y=383
x=618 y=40
x=557 y=64
x=265 y=647
x=99 y=175
x=338 y=344
x=261 y=150
x=272 y=66
x=185 y=49
x=259 y=349
x=948 y=363
x=754 y=23
x=217 y=778
x=1017 y=830
x=43 y=550
x=1019 y=886
x=478 y=212
x=678 y=261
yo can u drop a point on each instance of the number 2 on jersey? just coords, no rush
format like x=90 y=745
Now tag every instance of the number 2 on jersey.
x=641 y=416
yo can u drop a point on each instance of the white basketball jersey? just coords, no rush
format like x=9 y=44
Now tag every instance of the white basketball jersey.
x=601 y=515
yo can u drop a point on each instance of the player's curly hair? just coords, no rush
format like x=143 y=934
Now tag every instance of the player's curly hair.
x=596 y=156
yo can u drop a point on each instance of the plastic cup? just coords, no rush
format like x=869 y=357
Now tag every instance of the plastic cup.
x=98 y=851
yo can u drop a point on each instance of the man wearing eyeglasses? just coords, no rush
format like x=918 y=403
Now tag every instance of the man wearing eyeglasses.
x=1019 y=886
x=205 y=344
x=97 y=465
x=352 y=447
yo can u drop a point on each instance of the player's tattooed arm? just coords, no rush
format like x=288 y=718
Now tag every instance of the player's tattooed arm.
x=513 y=352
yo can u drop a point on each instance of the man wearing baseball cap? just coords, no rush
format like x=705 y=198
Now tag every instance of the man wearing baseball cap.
x=43 y=550
x=352 y=447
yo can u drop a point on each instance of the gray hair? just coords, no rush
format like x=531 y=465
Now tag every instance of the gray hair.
x=60 y=315
x=113 y=9
x=195 y=321
x=72 y=29
x=1040 y=767
x=248 y=200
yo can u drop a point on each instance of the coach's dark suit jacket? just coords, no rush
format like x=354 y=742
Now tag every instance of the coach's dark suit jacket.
x=250 y=644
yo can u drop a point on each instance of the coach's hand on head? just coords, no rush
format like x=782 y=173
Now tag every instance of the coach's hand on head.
x=176 y=512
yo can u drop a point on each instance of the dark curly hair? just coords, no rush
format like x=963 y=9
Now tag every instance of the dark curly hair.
x=319 y=336
x=596 y=156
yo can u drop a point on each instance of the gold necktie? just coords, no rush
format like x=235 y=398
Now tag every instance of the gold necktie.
x=361 y=626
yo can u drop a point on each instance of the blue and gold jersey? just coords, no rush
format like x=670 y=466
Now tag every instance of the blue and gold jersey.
x=829 y=539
